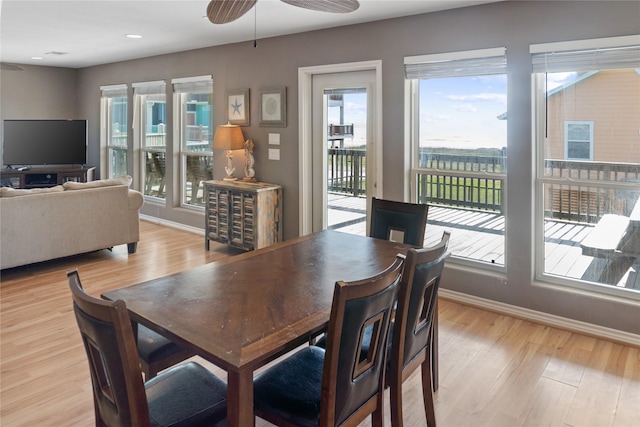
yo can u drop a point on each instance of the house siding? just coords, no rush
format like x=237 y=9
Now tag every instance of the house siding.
x=611 y=100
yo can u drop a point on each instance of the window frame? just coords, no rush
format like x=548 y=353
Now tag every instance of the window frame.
x=182 y=88
x=470 y=64
x=586 y=51
x=142 y=92
x=567 y=140
x=108 y=94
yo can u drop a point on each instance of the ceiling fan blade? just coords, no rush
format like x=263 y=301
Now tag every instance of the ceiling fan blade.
x=333 y=6
x=7 y=66
x=225 y=11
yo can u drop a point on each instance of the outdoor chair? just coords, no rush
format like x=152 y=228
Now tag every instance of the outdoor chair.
x=185 y=395
x=343 y=385
x=398 y=221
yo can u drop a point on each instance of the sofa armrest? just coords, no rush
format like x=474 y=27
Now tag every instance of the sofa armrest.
x=135 y=200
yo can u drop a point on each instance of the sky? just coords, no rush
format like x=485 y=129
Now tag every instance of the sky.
x=459 y=112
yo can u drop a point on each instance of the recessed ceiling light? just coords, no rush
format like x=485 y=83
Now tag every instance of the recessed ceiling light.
x=36 y=57
x=133 y=36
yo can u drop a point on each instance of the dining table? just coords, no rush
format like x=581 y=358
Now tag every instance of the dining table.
x=244 y=311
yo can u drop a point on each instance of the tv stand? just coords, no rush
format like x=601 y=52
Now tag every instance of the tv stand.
x=41 y=177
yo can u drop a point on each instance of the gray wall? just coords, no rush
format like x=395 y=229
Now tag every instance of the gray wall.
x=275 y=61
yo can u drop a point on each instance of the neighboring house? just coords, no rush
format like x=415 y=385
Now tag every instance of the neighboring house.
x=596 y=117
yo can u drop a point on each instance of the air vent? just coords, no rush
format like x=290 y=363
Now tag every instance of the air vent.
x=56 y=53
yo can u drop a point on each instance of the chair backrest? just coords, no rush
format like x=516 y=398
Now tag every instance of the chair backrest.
x=416 y=300
x=398 y=221
x=353 y=379
x=118 y=390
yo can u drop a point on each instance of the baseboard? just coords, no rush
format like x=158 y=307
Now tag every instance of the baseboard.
x=172 y=224
x=543 y=318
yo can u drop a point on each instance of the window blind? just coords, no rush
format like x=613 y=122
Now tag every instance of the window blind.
x=456 y=64
x=587 y=55
x=149 y=88
x=114 y=91
x=193 y=84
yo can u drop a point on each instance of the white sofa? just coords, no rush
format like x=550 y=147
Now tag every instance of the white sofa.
x=42 y=224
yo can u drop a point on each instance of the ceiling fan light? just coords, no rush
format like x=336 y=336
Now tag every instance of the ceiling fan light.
x=332 y=6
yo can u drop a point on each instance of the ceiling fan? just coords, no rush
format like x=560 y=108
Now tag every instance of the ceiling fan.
x=225 y=11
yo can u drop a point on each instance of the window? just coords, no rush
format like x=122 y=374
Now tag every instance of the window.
x=459 y=140
x=194 y=118
x=588 y=161
x=578 y=140
x=113 y=130
x=150 y=116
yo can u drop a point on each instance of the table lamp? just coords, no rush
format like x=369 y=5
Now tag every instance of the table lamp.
x=228 y=137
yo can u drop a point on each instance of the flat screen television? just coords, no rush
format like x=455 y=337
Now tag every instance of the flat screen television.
x=44 y=142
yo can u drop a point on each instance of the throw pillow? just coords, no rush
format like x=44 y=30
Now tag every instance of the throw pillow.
x=123 y=180
x=14 y=192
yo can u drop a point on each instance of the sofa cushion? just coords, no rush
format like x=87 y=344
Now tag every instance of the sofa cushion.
x=13 y=192
x=123 y=180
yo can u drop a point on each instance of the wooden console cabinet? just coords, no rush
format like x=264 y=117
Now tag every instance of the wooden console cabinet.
x=246 y=215
x=45 y=177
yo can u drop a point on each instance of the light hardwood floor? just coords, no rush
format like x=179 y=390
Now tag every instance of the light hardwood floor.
x=494 y=370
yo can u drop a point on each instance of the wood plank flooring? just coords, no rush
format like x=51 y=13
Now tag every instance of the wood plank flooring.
x=494 y=370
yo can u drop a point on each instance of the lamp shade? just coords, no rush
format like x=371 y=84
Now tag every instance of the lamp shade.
x=228 y=137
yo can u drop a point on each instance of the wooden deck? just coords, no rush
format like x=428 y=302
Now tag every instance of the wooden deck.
x=480 y=236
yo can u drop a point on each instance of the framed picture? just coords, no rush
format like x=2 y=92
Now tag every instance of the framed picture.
x=238 y=107
x=273 y=106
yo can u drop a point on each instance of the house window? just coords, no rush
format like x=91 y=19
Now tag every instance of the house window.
x=194 y=118
x=578 y=140
x=587 y=162
x=114 y=144
x=150 y=116
x=459 y=140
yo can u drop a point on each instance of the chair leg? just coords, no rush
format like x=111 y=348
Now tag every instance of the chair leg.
x=377 y=417
x=395 y=402
x=427 y=393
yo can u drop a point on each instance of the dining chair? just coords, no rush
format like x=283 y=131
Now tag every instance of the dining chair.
x=413 y=339
x=414 y=335
x=155 y=351
x=185 y=395
x=342 y=385
x=398 y=221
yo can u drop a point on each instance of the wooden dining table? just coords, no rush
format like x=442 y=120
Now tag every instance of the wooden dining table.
x=242 y=312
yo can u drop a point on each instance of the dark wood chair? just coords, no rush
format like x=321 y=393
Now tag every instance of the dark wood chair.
x=185 y=395
x=343 y=385
x=398 y=221
x=157 y=353
x=413 y=335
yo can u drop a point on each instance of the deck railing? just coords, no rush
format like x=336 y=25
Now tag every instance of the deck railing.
x=347 y=171
x=460 y=180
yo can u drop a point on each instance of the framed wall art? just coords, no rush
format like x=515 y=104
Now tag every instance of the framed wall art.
x=273 y=106
x=238 y=107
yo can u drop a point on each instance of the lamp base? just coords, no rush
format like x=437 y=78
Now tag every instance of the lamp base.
x=230 y=178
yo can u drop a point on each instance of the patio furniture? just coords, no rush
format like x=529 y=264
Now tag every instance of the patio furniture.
x=615 y=236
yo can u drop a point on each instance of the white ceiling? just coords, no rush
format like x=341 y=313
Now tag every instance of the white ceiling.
x=83 y=33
